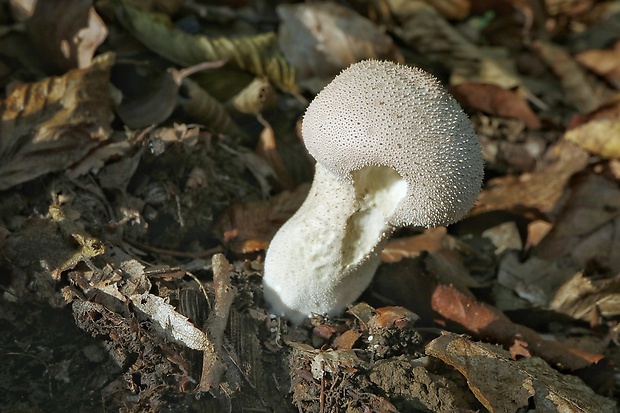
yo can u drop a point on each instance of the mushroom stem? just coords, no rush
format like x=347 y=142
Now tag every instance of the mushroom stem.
x=325 y=256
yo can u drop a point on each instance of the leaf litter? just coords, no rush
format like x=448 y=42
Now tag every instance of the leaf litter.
x=140 y=140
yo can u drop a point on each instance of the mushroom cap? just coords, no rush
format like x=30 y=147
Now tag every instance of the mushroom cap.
x=382 y=113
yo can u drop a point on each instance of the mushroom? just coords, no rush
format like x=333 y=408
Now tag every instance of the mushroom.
x=393 y=149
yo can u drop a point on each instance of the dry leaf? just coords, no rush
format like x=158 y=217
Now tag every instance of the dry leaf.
x=540 y=190
x=346 y=340
x=584 y=298
x=599 y=137
x=605 y=63
x=249 y=227
x=255 y=98
x=504 y=385
x=50 y=125
x=266 y=148
x=504 y=237
x=427 y=31
x=484 y=321
x=432 y=241
x=536 y=231
x=496 y=101
x=321 y=39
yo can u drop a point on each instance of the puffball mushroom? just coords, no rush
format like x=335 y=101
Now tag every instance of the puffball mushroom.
x=392 y=149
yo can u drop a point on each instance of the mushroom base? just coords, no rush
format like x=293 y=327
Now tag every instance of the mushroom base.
x=325 y=256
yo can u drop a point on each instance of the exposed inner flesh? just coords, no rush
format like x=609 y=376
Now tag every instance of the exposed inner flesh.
x=378 y=191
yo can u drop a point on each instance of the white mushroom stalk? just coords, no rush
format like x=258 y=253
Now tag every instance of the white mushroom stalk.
x=393 y=149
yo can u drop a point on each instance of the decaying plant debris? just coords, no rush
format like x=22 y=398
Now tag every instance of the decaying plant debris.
x=149 y=151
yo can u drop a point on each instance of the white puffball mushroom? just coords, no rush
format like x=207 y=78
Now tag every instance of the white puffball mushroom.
x=393 y=148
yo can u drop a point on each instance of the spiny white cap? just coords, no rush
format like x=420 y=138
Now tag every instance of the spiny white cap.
x=385 y=114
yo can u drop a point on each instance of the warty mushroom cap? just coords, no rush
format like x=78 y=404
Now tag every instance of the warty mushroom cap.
x=379 y=113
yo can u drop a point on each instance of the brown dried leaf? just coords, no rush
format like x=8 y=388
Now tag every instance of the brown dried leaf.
x=321 y=39
x=536 y=231
x=432 y=241
x=585 y=298
x=267 y=149
x=346 y=340
x=487 y=322
x=444 y=259
x=392 y=317
x=52 y=124
x=495 y=100
x=450 y=9
x=256 y=97
x=597 y=132
x=249 y=227
x=492 y=375
x=540 y=190
x=605 y=63
x=66 y=32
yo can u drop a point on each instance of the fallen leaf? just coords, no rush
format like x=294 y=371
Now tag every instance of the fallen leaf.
x=605 y=63
x=205 y=109
x=486 y=322
x=267 y=149
x=346 y=340
x=444 y=259
x=495 y=100
x=255 y=98
x=505 y=385
x=584 y=297
x=432 y=241
x=322 y=39
x=536 y=231
x=540 y=190
x=504 y=237
x=50 y=125
x=153 y=105
x=249 y=227
x=599 y=137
